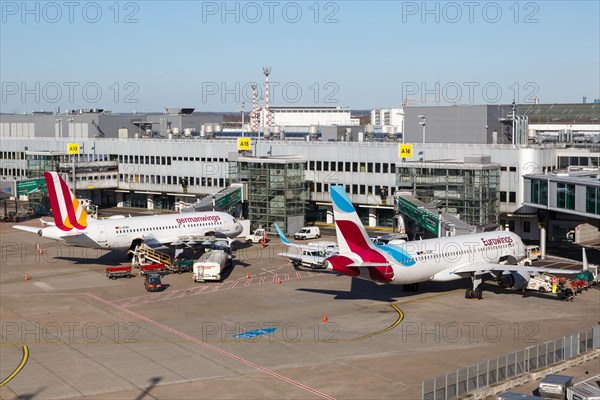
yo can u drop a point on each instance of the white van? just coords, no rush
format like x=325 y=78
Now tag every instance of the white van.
x=308 y=232
x=533 y=252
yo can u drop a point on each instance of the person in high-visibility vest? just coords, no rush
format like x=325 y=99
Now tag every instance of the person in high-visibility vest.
x=554 y=284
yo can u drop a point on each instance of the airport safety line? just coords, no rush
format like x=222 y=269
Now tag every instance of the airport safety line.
x=567 y=266
x=208 y=288
x=389 y=328
x=19 y=368
x=211 y=347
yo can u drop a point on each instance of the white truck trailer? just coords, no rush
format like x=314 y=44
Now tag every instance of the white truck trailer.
x=210 y=266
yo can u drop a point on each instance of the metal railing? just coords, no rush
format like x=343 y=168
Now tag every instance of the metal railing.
x=459 y=383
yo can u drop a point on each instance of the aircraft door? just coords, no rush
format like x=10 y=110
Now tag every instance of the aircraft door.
x=101 y=233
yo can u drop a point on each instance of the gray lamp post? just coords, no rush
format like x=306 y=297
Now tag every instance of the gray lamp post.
x=422 y=123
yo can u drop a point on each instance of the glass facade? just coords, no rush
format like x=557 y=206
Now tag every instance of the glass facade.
x=38 y=164
x=276 y=190
x=592 y=200
x=539 y=191
x=466 y=190
x=565 y=196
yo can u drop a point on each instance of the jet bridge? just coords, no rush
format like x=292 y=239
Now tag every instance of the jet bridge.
x=428 y=217
x=224 y=200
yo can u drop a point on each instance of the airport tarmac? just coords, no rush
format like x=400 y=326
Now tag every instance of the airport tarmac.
x=259 y=338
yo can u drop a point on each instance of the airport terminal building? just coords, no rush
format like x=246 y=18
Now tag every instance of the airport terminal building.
x=160 y=161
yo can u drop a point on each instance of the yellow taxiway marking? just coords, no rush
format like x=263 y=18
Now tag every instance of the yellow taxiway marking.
x=389 y=328
x=19 y=368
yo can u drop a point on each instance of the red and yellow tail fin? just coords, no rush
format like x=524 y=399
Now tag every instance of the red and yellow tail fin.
x=68 y=212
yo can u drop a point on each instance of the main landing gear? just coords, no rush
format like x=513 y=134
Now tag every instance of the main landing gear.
x=411 y=287
x=475 y=292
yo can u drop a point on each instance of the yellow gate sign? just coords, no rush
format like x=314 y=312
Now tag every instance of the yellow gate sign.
x=406 y=151
x=243 y=143
x=73 y=148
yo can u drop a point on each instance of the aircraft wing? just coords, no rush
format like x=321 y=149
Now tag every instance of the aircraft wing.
x=291 y=255
x=285 y=241
x=178 y=240
x=303 y=259
x=489 y=267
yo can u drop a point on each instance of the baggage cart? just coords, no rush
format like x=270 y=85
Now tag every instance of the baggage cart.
x=118 y=272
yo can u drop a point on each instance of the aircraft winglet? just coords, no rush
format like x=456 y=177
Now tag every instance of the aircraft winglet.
x=281 y=235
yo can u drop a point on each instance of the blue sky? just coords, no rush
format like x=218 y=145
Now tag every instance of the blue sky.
x=148 y=55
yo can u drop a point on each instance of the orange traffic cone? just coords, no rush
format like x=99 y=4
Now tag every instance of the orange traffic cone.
x=324 y=317
x=26 y=277
x=278 y=281
x=263 y=241
x=247 y=276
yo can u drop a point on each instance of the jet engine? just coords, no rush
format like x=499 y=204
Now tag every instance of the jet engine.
x=515 y=280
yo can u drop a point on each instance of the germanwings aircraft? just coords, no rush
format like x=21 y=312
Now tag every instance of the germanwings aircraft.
x=437 y=260
x=72 y=225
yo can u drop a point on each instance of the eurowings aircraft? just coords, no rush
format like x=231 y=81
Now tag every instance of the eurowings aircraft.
x=72 y=225
x=437 y=260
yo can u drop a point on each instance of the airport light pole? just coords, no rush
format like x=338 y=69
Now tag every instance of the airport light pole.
x=16 y=200
x=59 y=120
x=243 y=103
x=422 y=123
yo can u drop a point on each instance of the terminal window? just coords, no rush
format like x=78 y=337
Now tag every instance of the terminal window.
x=565 y=197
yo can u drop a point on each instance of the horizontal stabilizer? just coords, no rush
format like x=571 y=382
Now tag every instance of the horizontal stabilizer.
x=368 y=264
x=26 y=228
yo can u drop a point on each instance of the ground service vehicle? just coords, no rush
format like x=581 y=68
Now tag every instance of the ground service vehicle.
x=257 y=236
x=211 y=265
x=533 y=252
x=307 y=258
x=118 y=272
x=308 y=232
x=542 y=283
x=152 y=283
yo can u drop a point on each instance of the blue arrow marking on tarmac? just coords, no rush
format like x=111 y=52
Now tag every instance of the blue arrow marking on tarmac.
x=254 y=333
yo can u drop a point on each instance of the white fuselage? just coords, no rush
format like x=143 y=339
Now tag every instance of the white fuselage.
x=119 y=233
x=437 y=259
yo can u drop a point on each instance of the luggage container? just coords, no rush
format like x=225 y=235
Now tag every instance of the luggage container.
x=555 y=386
x=181 y=266
x=515 y=395
x=583 y=391
x=160 y=269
